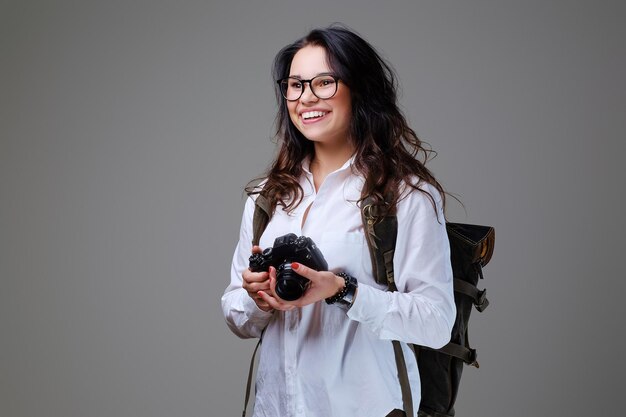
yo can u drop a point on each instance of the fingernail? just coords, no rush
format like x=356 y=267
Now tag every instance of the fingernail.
x=295 y=265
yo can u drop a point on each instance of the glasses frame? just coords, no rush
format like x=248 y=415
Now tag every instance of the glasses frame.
x=334 y=77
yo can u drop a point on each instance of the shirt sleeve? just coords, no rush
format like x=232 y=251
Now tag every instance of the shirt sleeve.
x=422 y=311
x=242 y=315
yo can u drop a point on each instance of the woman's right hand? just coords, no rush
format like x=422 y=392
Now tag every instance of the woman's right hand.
x=253 y=282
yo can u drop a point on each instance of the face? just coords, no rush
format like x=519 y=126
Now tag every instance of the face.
x=324 y=121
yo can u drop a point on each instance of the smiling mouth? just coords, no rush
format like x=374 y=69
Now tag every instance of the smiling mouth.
x=313 y=115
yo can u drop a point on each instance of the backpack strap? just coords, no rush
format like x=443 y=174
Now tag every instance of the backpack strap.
x=403 y=376
x=479 y=296
x=381 y=232
x=262 y=215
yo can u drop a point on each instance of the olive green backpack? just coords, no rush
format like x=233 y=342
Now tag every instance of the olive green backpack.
x=471 y=248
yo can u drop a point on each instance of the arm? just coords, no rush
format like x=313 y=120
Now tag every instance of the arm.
x=423 y=309
x=243 y=315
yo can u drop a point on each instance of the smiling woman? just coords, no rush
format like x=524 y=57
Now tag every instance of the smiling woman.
x=322 y=112
x=342 y=139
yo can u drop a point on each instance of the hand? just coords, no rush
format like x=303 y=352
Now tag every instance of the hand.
x=253 y=282
x=323 y=284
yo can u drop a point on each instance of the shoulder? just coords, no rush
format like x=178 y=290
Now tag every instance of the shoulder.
x=419 y=191
x=253 y=190
x=420 y=198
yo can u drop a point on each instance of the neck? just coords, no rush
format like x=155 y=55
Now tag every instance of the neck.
x=328 y=159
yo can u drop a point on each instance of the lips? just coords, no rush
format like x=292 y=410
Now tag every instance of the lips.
x=315 y=114
x=312 y=116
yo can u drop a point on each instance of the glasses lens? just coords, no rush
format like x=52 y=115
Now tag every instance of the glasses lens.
x=291 y=88
x=324 y=86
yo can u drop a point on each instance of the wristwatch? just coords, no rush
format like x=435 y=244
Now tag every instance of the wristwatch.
x=346 y=296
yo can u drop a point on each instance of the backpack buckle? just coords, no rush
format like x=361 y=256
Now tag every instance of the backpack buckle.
x=482 y=302
x=472 y=360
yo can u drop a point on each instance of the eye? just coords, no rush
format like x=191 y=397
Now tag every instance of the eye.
x=295 y=84
x=324 y=82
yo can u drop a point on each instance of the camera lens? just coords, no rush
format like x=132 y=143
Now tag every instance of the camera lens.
x=289 y=285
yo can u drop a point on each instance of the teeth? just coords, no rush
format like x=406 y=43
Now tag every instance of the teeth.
x=311 y=114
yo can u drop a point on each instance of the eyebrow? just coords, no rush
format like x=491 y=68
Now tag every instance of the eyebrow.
x=298 y=76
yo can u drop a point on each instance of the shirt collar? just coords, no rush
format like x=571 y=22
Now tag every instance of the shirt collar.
x=306 y=165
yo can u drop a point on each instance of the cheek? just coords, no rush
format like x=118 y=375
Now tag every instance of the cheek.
x=346 y=116
x=344 y=107
x=291 y=108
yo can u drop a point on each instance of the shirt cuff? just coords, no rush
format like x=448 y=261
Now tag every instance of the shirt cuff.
x=369 y=307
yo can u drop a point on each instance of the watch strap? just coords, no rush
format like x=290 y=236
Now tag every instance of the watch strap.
x=347 y=294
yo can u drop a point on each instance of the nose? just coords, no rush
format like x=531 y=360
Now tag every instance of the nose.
x=307 y=94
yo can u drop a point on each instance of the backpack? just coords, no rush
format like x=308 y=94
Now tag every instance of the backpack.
x=471 y=248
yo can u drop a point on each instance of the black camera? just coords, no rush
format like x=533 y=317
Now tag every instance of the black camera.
x=287 y=249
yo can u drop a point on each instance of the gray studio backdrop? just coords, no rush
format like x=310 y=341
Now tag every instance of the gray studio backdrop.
x=128 y=130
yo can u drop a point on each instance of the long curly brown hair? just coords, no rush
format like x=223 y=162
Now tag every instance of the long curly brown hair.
x=388 y=152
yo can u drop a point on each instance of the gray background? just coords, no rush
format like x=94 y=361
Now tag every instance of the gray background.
x=128 y=130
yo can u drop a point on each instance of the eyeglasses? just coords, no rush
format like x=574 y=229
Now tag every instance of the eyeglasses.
x=322 y=86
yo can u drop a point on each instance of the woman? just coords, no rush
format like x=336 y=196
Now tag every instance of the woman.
x=342 y=138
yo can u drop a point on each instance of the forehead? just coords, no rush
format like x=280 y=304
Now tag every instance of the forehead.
x=309 y=62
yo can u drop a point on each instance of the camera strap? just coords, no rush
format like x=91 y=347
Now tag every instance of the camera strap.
x=250 y=372
x=259 y=223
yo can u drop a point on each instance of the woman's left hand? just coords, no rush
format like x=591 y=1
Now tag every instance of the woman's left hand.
x=323 y=284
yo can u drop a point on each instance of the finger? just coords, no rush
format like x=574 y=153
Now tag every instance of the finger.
x=250 y=276
x=256 y=249
x=272 y=278
x=274 y=303
x=255 y=287
x=264 y=306
x=272 y=281
x=286 y=305
x=304 y=271
x=261 y=304
x=258 y=300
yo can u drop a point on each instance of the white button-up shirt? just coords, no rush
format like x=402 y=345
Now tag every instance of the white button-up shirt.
x=321 y=360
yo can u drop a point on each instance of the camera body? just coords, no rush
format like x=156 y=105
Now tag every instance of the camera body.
x=287 y=249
